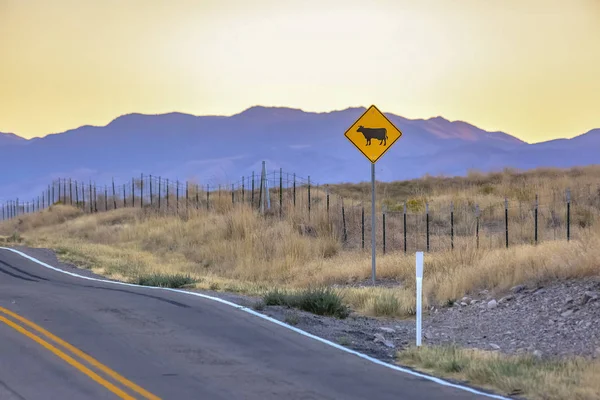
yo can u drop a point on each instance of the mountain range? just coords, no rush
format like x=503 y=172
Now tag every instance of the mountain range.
x=220 y=149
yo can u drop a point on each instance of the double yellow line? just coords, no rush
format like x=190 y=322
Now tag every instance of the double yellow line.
x=4 y=313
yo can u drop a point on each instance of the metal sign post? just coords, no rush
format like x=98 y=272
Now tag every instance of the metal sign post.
x=373 y=248
x=373 y=134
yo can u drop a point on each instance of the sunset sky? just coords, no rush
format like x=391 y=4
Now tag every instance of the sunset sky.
x=526 y=67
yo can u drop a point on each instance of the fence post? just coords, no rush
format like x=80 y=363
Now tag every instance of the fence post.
x=76 y=196
x=344 y=222
x=427 y=223
x=383 y=227
x=252 y=195
x=133 y=192
x=405 y=226
x=452 y=225
x=142 y=191
x=536 y=219
x=280 y=192
x=506 y=219
x=177 y=196
x=114 y=194
x=362 y=228
x=197 y=196
x=327 y=193
x=477 y=224
x=91 y=201
x=294 y=190
x=187 y=196
x=159 y=191
x=124 y=196
x=243 y=186
x=95 y=198
x=150 y=187
x=261 y=206
x=70 y=192
x=167 y=193
x=309 y=197
x=207 y=197
x=568 y=215
x=105 y=198
x=232 y=194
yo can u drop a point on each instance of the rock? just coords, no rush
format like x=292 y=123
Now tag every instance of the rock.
x=379 y=338
x=492 y=304
x=506 y=298
x=494 y=346
x=483 y=292
x=567 y=313
x=588 y=297
x=597 y=352
x=568 y=300
x=465 y=299
x=387 y=330
x=518 y=288
x=538 y=354
x=463 y=304
x=473 y=302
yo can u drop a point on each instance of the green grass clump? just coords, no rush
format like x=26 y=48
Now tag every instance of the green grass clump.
x=170 y=281
x=320 y=301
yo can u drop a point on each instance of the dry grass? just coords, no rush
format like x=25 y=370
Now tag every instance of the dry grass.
x=244 y=252
x=234 y=248
x=573 y=379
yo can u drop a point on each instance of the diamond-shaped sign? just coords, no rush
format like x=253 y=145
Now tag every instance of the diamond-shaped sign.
x=373 y=134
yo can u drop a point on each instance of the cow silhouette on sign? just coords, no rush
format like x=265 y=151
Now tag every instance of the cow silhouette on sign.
x=374 y=133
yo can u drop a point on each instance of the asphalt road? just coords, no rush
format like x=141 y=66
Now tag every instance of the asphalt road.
x=63 y=337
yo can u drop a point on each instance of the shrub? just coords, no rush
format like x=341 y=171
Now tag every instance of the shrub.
x=170 y=281
x=320 y=301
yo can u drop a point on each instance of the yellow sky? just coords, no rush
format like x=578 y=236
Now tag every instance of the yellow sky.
x=527 y=67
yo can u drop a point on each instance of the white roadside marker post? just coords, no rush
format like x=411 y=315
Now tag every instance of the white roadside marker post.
x=419 y=294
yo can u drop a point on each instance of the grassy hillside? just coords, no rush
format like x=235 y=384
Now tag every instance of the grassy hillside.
x=234 y=248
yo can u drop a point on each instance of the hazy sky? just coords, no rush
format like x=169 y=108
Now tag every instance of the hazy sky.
x=527 y=67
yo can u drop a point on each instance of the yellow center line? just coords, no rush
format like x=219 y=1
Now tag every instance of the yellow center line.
x=68 y=359
x=80 y=354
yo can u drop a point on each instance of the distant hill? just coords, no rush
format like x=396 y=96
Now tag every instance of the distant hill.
x=11 y=138
x=218 y=149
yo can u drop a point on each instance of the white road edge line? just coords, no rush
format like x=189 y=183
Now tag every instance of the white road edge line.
x=273 y=320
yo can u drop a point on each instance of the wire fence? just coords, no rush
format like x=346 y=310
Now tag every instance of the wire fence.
x=418 y=225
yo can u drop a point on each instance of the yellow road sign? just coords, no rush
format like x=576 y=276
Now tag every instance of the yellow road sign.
x=373 y=134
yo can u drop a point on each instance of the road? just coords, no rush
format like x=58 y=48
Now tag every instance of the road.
x=63 y=337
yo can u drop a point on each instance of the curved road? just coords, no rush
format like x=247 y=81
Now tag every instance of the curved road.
x=63 y=337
